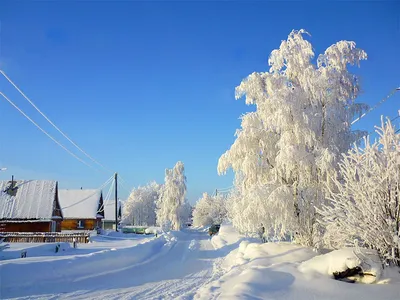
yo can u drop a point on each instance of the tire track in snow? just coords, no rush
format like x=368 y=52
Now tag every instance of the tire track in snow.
x=175 y=273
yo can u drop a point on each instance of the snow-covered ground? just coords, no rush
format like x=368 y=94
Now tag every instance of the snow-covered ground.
x=172 y=265
x=182 y=265
x=99 y=243
x=287 y=271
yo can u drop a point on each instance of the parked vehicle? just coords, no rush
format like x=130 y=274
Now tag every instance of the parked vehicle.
x=214 y=229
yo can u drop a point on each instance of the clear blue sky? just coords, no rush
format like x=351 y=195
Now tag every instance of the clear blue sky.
x=141 y=85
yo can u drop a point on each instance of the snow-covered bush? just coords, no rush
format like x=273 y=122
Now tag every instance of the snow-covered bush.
x=286 y=148
x=140 y=207
x=209 y=210
x=172 y=207
x=365 y=199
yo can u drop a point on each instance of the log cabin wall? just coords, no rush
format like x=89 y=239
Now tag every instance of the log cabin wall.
x=25 y=227
x=72 y=224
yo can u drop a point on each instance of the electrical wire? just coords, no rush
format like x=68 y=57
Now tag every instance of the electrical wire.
x=372 y=132
x=45 y=132
x=376 y=105
x=48 y=120
x=123 y=185
x=108 y=196
x=55 y=126
x=226 y=189
x=94 y=193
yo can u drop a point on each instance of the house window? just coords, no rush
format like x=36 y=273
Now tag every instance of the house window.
x=81 y=224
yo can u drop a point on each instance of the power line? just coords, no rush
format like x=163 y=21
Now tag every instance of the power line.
x=108 y=195
x=48 y=120
x=55 y=126
x=398 y=116
x=374 y=131
x=42 y=130
x=226 y=189
x=376 y=105
x=88 y=197
x=122 y=181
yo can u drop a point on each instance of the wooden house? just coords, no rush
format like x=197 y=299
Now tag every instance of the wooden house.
x=29 y=206
x=109 y=214
x=82 y=209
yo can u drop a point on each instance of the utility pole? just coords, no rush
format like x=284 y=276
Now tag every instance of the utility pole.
x=216 y=192
x=116 y=200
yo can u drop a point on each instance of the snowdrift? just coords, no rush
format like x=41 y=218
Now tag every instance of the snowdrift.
x=228 y=236
x=343 y=259
x=59 y=270
x=288 y=271
x=153 y=230
x=120 y=235
x=34 y=250
x=267 y=254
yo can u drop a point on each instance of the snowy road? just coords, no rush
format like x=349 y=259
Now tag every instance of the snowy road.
x=187 y=265
x=165 y=268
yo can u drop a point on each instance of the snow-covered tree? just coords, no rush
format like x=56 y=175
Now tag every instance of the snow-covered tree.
x=365 y=199
x=286 y=148
x=209 y=210
x=172 y=208
x=201 y=213
x=141 y=205
x=219 y=211
x=185 y=213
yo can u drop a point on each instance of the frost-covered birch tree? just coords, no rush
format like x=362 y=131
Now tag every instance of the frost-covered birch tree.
x=141 y=205
x=286 y=148
x=172 y=207
x=209 y=210
x=365 y=199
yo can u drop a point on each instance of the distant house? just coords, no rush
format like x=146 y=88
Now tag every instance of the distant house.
x=29 y=206
x=109 y=214
x=82 y=209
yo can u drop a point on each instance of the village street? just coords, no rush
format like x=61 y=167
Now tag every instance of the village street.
x=171 y=266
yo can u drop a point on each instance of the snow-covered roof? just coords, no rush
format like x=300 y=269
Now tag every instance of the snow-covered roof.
x=30 y=199
x=109 y=209
x=79 y=204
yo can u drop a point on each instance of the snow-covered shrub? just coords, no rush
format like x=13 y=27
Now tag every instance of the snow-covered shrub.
x=209 y=210
x=286 y=148
x=172 y=207
x=365 y=200
x=140 y=207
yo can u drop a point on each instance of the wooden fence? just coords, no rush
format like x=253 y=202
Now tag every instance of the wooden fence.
x=44 y=237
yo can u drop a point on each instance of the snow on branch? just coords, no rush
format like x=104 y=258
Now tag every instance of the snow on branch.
x=286 y=149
